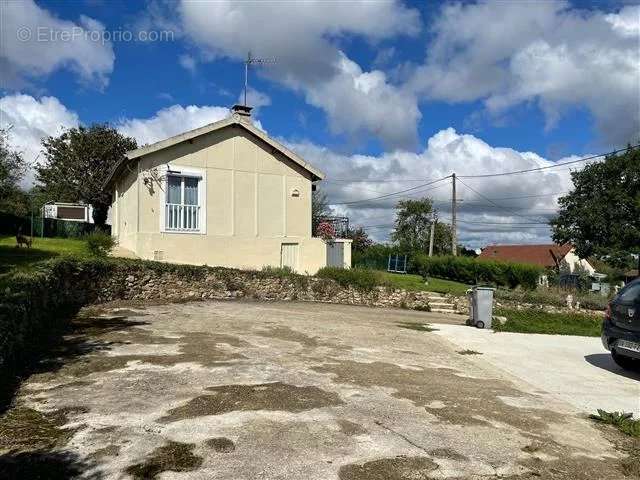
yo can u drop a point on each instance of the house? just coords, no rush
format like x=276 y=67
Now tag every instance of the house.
x=72 y=212
x=224 y=194
x=547 y=256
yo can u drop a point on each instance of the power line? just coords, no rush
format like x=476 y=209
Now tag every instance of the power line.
x=420 y=191
x=492 y=202
x=392 y=193
x=516 y=172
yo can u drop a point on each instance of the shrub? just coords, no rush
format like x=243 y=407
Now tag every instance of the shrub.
x=279 y=272
x=473 y=271
x=358 y=278
x=326 y=231
x=375 y=256
x=99 y=243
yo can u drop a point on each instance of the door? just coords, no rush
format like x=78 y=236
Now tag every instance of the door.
x=625 y=308
x=289 y=256
x=335 y=254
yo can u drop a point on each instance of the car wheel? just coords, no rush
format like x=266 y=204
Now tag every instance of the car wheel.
x=626 y=363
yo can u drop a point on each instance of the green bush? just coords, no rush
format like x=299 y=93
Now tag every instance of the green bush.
x=539 y=321
x=358 y=278
x=474 y=271
x=99 y=243
x=375 y=257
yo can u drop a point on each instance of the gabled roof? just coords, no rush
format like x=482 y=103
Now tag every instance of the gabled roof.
x=234 y=119
x=543 y=255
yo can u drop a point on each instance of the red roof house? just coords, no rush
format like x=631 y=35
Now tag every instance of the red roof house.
x=549 y=255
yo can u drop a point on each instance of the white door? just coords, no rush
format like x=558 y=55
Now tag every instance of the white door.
x=335 y=254
x=289 y=256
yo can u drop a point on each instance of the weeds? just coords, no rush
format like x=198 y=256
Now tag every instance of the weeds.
x=539 y=321
x=622 y=421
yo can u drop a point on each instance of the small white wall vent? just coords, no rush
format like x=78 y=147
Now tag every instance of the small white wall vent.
x=295 y=193
x=158 y=255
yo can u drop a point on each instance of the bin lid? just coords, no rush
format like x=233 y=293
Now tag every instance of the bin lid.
x=484 y=288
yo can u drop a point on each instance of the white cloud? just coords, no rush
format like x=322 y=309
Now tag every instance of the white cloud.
x=553 y=54
x=304 y=38
x=30 y=120
x=188 y=63
x=255 y=99
x=170 y=121
x=446 y=152
x=33 y=43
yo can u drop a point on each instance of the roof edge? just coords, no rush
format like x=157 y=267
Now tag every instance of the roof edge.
x=211 y=127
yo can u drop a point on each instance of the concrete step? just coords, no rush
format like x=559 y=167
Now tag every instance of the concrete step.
x=442 y=310
x=441 y=304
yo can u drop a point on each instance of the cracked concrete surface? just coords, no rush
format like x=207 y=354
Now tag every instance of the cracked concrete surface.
x=239 y=390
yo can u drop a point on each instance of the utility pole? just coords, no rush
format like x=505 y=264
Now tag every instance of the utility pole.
x=433 y=231
x=454 y=203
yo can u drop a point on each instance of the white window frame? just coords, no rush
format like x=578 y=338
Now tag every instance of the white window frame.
x=180 y=171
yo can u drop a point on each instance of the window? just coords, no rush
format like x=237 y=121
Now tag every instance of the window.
x=182 y=207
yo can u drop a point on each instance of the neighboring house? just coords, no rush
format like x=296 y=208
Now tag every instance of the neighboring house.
x=547 y=256
x=73 y=212
x=224 y=194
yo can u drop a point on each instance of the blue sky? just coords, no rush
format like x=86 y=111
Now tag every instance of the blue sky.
x=398 y=89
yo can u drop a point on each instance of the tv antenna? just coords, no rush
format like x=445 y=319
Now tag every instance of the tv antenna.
x=253 y=61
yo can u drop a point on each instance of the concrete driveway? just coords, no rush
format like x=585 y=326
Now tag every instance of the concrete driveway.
x=231 y=390
x=576 y=370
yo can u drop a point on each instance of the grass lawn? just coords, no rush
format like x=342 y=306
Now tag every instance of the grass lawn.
x=12 y=257
x=416 y=283
x=537 y=321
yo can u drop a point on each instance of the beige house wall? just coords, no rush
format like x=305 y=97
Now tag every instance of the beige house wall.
x=573 y=261
x=254 y=200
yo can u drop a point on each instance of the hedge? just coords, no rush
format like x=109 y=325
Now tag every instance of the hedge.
x=474 y=271
x=375 y=256
x=359 y=278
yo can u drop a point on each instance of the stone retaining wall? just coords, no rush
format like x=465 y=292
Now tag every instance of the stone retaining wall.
x=149 y=284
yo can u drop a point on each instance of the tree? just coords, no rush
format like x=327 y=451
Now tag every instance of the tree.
x=360 y=239
x=413 y=227
x=319 y=209
x=12 y=168
x=76 y=165
x=601 y=215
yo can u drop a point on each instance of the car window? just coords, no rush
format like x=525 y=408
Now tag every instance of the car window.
x=630 y=294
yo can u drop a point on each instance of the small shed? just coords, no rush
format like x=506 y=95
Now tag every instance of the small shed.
x=72 y=212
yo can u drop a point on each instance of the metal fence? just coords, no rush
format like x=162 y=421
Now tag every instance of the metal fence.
x=397 y=264
x=48 y=227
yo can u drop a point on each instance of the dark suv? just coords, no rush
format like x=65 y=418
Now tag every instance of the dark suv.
x=621 y=327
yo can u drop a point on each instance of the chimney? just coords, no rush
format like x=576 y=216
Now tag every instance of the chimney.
x=242 y=110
